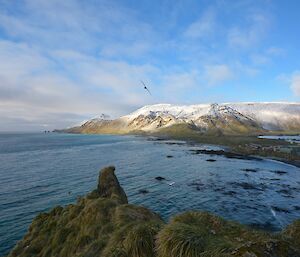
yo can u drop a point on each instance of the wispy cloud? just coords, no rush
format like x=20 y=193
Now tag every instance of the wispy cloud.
x=276 y=51
x=216 y=74
x=251 y=33
x=291 y=80
x=203 y=27
x=295 y=83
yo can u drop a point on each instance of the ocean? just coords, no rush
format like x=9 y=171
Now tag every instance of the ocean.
x=40 y=171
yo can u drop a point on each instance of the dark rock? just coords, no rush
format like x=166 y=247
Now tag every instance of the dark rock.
x=285 y=192
x=210 y=160
x=159 y=178
x=108 y=185
x=249 y=170
x=196 y=183
x=143 y=191
x=248 y=186
x=279 y=209
x=226 y=154
x=170 y=156
x=279 y=172
x=231 y=193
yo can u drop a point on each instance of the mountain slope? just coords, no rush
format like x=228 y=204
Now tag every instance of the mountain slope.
x=228 y=118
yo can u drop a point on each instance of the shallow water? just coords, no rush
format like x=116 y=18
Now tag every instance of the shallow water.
x=39 y=171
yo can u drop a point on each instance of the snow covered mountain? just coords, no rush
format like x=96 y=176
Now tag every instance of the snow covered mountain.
x=227 y=118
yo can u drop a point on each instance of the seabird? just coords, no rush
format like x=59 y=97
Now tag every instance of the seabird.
x=145 y=87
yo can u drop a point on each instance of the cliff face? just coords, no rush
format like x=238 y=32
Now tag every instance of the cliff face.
x=104 y=224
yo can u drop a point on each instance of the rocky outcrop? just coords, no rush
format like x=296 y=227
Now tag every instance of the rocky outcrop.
x=109 y=187
x=100 y=224
x=103 y=224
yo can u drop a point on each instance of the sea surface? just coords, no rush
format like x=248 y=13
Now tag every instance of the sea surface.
x=40 y=171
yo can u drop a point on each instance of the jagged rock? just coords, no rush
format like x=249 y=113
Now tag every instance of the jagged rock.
x=100 y=224
x=108 y=185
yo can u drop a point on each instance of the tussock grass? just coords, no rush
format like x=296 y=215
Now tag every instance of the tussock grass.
x=125 y=214
x=98 y=226
x=201 y=234
x=292 y=232
x=140 y=240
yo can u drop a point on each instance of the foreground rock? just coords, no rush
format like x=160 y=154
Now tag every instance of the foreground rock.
x=103 y=224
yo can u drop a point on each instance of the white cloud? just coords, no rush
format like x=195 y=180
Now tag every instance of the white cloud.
x=203 y=27
x=216 y=74
x=292 y=80
x=275 y=51
x=295 y=83
x=32 y=88
x=260 y=59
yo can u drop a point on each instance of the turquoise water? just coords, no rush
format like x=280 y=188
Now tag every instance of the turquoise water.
x=40 y=171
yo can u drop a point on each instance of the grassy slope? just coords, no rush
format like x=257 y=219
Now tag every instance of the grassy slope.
x=103 y=224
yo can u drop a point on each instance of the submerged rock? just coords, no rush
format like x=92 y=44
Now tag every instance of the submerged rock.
x=211 y=160
x=159 y=178
x=279 y=172
x=143 y=191
x=103 y=224
x=249 y=170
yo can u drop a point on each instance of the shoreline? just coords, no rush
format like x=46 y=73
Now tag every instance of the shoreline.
x=231 y=150
x=227 y=142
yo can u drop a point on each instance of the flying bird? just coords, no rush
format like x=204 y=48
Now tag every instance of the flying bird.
x=145 y=87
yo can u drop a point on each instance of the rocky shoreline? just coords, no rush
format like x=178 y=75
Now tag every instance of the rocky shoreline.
x=236 y=147
x=102 y=223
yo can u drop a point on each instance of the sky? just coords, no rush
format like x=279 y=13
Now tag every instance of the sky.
x=62 y=62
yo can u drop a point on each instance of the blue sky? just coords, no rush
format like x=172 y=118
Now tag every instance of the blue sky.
x=65 y=61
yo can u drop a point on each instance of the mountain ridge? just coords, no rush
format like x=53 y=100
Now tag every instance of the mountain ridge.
x=227 y=118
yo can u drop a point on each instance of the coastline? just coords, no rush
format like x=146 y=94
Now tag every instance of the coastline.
x=103 y=223
x=237 y=144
